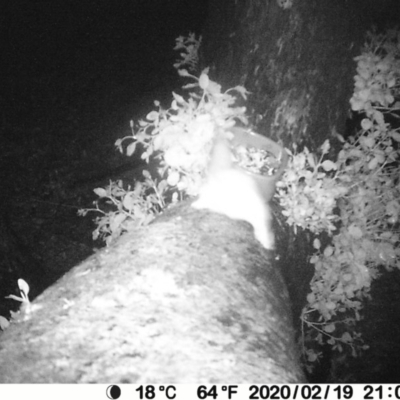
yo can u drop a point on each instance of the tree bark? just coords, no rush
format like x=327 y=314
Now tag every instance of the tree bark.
x=298 y=63
x=193 y=297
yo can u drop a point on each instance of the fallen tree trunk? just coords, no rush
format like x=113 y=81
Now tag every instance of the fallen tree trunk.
x=193 y=297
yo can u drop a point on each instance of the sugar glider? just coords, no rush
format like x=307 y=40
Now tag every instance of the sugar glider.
x=231 y=191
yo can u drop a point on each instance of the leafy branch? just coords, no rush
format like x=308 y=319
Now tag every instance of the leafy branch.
x=355 y=200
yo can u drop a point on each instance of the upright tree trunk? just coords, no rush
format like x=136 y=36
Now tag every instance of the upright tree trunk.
x=296 y=57
x=297 y=62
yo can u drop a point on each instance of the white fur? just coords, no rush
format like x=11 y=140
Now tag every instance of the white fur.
x=232 y=192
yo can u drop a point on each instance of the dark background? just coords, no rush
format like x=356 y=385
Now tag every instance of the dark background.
x=96 y=58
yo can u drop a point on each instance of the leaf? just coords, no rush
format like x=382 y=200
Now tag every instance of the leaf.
x=357 y=104
x=340 y=137
x=330 y=305
x=355 y=231
x=173 y=178
x=116 y=221
x=328 y=165
x=204 y=81
x=174 y=105
x=364 y=94
x=312 y=356
x=128 y=202
x=183 y=72
x=328 y=251
x=17 y=298
x=100 y=192
x=317 y=244
x=374 y=163
x=311 y=298
x=152 y=115
x=368 y=141
x=329 y=328
x=366 y=124
x=4 y=323
x=389 y=99
x=386 y=252
x=391 y=82
x=395 y=135
x=242 y=90
x=346 y=337
x=178 y=98
x=347 y=277
x=325 y=147
x=162 y=185
x=146 y=174
x=23 y=286
x=379 y=118
x=138 y=189
x=130 y=149
x=311 y=159
x=82 y=212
